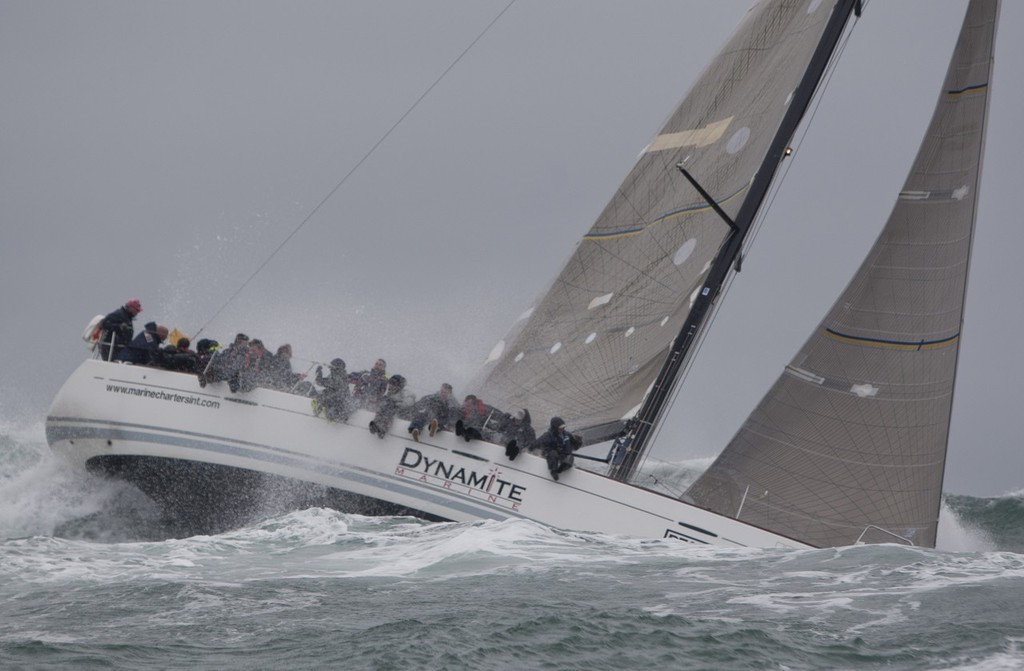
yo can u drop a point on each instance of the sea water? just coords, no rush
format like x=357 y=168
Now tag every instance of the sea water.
x=89 y=578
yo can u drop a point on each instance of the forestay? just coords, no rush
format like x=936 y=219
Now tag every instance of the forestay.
x=593 y=345
x=849 y=444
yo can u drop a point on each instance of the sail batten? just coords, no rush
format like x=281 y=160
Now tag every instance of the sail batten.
x=849 y=444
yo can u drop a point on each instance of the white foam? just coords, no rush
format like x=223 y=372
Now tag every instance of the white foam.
x=41 y=491
x=1010 y=660
x=954 y=535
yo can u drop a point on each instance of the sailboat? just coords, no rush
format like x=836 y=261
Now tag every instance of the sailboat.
x=848 y=446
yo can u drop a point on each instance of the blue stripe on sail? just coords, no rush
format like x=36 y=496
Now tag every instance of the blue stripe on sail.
x=975 y=88
x=690 y=209
x=895 y=344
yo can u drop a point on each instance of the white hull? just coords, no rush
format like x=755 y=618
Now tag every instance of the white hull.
x=109 y=411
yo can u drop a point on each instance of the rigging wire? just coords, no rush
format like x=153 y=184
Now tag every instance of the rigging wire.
x=356 y=167
x=805 y=127
x=752 y=236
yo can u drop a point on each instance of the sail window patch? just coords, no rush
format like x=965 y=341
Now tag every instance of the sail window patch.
x=684 y=252
x=599 y=301
x=496 y=352
x=525 y=315
x=554 y=348
x=958 y=193
x=591 y=338
x=805 y=375
x=664 y=321
x=738 y=140
x=519 y=357
x=630 y=331
x=864 y=390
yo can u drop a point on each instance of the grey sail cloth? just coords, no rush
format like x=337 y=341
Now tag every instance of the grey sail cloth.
x=850 y=443
x=590 y=349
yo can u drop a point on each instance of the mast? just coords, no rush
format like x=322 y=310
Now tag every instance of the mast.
x=637 y=436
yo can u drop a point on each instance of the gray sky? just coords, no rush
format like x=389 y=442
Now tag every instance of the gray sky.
x=164 y=151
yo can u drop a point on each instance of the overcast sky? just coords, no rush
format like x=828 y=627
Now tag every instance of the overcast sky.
x=165 y=150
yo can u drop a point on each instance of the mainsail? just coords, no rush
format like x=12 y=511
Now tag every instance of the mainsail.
x=849 y=444
x=594 y=345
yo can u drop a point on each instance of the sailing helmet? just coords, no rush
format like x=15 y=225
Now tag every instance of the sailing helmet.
x=338 y=363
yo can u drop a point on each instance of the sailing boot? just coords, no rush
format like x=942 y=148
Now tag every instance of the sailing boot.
x=433 y=427
x=512 y=450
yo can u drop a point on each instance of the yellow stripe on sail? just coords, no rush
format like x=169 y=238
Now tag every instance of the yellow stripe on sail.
x=967 y=90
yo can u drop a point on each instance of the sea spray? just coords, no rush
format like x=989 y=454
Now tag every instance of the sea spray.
x=43 y=495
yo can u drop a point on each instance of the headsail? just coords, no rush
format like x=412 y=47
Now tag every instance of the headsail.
x=593 y=346
x=849 y=444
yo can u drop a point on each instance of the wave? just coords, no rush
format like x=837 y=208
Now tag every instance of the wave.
x=1001 y=518
x=509 y=594
x=322 y=543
